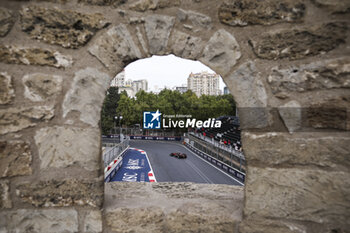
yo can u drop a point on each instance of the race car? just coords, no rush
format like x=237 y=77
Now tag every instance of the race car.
x=178 y=155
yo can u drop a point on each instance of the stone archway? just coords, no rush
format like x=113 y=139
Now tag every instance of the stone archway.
x=57 y=63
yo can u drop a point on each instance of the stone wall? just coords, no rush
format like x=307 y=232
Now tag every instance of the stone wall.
x=285 y=61
x=172 y=207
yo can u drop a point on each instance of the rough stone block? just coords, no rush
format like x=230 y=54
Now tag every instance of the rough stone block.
x=158 y=28
x=15 y=119
x=156 y=220
x=116 y=47
x=86 y=95
x=250 y=94
x=329 y=114
x=299 y=43
x=114 y=3
x=329 y=151
x=71 y=192
x=15 y=158
x=258 y=225
x=136 y=220
x=70 y=29
x=198 y=20
x=140 y=37
x=144 y=5
x=251 y=12
x=320 y=75
x=172 y=207
x=38 y=220
x=7 y=19
x=7 y=93
x=291 y=114
x=168 y=3
x=61 y=147
x=221 y=52
x=254 y=117
x=53 y=1
x=247 y=86
x=186 y=46
x=93 y=222
x=33 y=56
x=263 y=225
x=313 y=195
x=334 y=6
x=5 y=201
x=42 y=87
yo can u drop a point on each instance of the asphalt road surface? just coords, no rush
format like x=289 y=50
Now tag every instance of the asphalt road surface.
x=170 y=169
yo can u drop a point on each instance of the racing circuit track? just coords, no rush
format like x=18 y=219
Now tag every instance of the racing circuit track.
x=170 y=169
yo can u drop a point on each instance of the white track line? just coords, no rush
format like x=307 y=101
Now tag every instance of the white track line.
x=213 y=166
x=150 y=166
x=200 y=173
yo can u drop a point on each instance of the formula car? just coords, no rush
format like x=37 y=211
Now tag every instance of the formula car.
x=178 y=155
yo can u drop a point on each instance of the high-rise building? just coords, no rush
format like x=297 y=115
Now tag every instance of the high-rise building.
x=119 y=80
x=138 y=85
x=128 y=83
x=131 y=87
x=203 y=83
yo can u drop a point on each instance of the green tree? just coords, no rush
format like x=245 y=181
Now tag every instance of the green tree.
x=232 y=104
x=126 y=108
x=143 y=102
x=108 y=112
x=168 y=102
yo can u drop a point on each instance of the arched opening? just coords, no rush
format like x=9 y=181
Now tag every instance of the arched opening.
x=169 y=119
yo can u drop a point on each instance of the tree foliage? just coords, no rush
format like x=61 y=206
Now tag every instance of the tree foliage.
x=167 y=102
x=109 y=107
x=171 y=103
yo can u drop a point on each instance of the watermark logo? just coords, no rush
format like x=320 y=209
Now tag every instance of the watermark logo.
x=151 y=120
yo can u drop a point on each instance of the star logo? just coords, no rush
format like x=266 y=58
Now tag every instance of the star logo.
x=156 y=115
x=151 y=120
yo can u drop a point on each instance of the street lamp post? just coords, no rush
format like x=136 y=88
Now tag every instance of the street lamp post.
x=115 y=128
x=120 y=125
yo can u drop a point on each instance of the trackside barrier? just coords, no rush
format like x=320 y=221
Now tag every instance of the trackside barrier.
x=114 y=166
x=113 y=158
x=228 y=169
x=155 y=138
x=227 y=148
x=110 y=140
x=112 y=153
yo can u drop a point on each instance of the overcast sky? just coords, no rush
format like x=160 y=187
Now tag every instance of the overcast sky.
x=167 y=71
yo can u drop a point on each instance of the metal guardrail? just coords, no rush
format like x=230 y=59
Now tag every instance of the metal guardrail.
x=238 y=175
x=229 y=149
x=115 y=151
x=110 y=140
x=218 y=153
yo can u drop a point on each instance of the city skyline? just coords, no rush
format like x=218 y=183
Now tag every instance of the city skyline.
x=130 y=86
x=174 y=68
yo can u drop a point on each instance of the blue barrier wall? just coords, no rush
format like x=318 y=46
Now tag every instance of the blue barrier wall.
x=240 y=176
x=155 y=138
